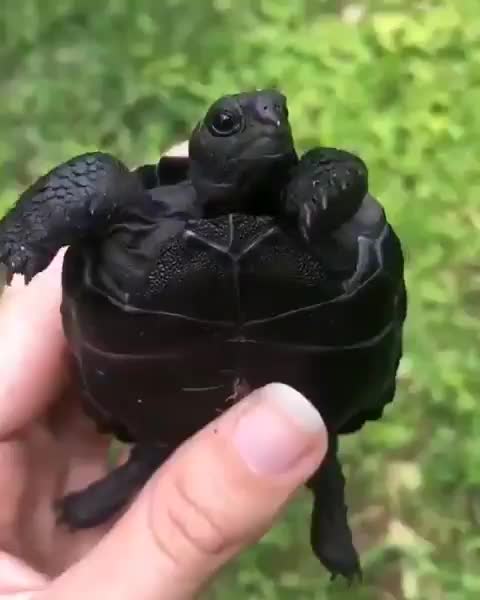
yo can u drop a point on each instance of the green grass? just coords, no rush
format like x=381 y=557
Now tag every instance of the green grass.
x=399 y=84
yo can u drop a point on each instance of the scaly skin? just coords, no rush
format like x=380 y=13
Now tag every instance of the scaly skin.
x=73 y=202
x=325 y=190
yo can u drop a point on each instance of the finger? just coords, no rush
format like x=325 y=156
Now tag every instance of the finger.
x=65 y=456
x=219 y=493
x=32 y=348
x=76 y=434
x=17 y=577
x=30 y=595
x=180 y=149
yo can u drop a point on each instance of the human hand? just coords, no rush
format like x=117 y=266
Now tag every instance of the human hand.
x=218 y=494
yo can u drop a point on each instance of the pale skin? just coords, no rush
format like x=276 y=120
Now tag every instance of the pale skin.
x=182 y=528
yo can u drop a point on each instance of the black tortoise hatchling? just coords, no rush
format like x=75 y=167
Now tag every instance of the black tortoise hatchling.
x=189 y=282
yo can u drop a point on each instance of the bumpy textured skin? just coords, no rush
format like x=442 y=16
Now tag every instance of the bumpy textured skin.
x=174 y=310
x=328 y=186
x=71 y=201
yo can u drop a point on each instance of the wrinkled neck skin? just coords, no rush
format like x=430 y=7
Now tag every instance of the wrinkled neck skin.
x=256 y=191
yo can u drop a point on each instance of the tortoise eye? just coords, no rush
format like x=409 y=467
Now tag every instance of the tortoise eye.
x=225 y=123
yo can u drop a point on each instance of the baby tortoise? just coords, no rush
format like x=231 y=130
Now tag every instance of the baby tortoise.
x=188 y=282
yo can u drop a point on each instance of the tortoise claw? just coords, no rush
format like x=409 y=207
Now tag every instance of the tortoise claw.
x=351 y=574
x=19 y=258
x=60 y=517
x=14 y=258
x=8 y=276
x=73 y=512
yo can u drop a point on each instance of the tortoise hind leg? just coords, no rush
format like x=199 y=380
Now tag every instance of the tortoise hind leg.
x=104 y=498
x=331 y=537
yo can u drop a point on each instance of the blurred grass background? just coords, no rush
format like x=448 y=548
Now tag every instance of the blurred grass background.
x=399 y=83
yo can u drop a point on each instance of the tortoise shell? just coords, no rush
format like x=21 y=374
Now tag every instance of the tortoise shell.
x=237 y=298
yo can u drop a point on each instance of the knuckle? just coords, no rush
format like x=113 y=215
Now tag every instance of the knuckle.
x=188 y=527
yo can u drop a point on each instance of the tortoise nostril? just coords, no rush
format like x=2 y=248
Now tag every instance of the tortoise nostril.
x=268 y=111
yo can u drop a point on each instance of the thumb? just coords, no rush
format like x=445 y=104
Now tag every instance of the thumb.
x=219 y=493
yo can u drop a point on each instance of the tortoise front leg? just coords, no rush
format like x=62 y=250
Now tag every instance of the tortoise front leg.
x=331 y=537
x=104 y=498
x=325 y=190
x=75 y=202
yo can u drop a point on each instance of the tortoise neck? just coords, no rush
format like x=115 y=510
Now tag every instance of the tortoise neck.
x=257 y=192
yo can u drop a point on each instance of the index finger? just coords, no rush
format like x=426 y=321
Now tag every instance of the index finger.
x=32 y=348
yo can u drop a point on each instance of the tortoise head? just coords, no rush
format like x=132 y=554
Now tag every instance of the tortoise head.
x=241 y=151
